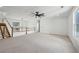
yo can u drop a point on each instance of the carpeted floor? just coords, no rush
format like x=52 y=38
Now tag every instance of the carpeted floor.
x=37 y=43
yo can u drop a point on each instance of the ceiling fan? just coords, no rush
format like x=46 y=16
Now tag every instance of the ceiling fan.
x=62 y=6
x=37 y=14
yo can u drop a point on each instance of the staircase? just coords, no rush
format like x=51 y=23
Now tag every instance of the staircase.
x=6 y=30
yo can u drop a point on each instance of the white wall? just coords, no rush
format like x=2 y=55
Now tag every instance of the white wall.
x=56 y=25
x=51 y=25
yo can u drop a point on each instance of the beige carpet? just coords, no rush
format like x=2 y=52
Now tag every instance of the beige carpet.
x=37 y=43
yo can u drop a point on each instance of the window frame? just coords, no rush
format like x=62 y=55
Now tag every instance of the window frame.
x=74 y=22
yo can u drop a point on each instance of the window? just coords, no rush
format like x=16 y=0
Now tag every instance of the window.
x=76 y=23
x=16 y=24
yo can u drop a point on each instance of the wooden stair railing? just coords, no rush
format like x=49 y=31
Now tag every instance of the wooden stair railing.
x=9 y=27
x=4 y=31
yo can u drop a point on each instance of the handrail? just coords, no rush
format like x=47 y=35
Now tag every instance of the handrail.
x=10 y=26
x=8 y=23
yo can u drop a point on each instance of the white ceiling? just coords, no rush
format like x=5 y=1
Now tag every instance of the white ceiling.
x=18 y=12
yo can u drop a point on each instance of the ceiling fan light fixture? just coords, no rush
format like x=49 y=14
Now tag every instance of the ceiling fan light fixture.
x=62 y=6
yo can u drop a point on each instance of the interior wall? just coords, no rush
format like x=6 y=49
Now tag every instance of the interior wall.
x=56 y=25
x=51 y=25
